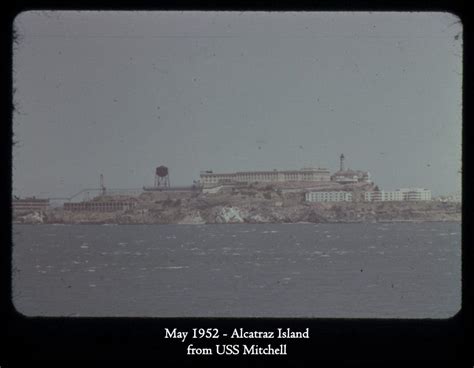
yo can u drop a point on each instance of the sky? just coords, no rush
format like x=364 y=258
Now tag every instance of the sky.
x=120 y=93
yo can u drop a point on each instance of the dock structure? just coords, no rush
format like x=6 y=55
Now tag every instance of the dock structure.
x=99 y=206
x=30 y=204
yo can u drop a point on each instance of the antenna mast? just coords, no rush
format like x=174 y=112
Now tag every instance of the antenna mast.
x=102 y=186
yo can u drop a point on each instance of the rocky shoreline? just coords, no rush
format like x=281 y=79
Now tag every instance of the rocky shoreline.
x=249 y=206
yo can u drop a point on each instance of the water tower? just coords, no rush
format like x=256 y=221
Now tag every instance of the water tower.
x=162 y=177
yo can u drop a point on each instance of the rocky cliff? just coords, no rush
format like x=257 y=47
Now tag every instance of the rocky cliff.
x=251 y=205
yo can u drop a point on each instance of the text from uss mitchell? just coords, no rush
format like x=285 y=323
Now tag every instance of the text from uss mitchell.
x=204 y=334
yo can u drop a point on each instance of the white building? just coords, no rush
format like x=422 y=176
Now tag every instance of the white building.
x=209 y=178
x=383 y=195
x=328 y=196
x=404 y=194
x=351 y=176
x=344 y=176
x=416 y=194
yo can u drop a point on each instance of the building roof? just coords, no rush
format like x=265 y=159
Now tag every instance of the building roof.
x=318 y=170
x=350 y=173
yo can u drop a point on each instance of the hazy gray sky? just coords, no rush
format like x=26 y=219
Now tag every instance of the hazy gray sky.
x=120 y=93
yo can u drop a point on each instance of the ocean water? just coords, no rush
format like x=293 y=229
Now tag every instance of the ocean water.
x=384 y=270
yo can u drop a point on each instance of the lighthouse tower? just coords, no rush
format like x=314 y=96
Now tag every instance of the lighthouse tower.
x=341 y=165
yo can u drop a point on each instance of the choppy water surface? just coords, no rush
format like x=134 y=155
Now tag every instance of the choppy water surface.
x=271 y=270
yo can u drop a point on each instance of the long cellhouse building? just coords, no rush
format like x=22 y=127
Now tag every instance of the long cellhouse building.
x=209 y=178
